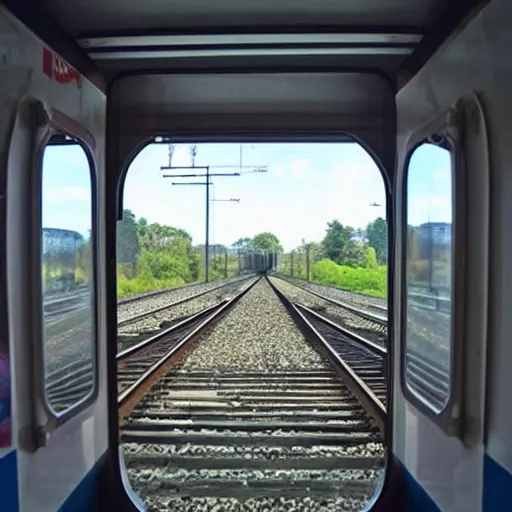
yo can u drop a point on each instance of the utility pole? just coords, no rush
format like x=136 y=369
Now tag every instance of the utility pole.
x=207 y=175
x=308 y=262
x=291 y=264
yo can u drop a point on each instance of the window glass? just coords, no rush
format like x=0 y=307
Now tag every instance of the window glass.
x=430 y=250
x=67 y=273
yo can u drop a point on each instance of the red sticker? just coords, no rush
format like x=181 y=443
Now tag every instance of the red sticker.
x=58 y=68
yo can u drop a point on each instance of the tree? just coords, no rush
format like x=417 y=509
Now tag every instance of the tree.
x=354 y=254
x=156 y=237
x=243 y=243
x=128 y=246
x=370 y=258
x=336 y=241
x=266 y=240
x=142 y=226
x=316 y=250
x=377 y=233
x=174 y=247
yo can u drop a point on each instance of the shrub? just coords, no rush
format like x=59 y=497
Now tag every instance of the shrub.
x=143 y=283
x=163 y=266
x=362 y=280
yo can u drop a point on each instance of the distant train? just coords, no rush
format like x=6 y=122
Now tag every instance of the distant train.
x=260 y=261
x=62 y=255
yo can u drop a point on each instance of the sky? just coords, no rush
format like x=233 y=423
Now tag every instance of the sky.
x=305 y=186
x=429 y=185
x=66 y=189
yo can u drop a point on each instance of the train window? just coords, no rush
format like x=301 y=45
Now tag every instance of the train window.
x=429 y=252
x=261 y=408
x=67 y=252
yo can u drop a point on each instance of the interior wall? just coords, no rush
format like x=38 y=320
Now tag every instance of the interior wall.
x=264 y=107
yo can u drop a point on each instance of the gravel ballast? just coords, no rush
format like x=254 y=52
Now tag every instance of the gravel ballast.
x=428 y=331
x=154 y=321
x=254 y=367
x=146 y=303
x=258 y=334
x=351 y=321
x=357 y=299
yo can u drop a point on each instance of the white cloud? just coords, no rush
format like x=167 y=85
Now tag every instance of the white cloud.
x=294 y=200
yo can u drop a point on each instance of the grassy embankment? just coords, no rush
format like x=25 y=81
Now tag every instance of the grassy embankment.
x=360 y=280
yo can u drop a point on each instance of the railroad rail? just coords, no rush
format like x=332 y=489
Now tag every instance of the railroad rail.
x=429 y=299
x=326 y=417
x=377 y=318
x=365 y=358
x=57 y=305
x=318 y=424
x=72 y=382
x=189 y=286
x=230 y=412
x=168 y=305
x=369 y=361
x=426 y=370
x=142 y=365
x=364 y=323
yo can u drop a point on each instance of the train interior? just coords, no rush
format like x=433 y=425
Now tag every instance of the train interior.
x=89 y=84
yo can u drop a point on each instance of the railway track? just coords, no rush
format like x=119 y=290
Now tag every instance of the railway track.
x=373 y=312
x=262 y=406
x=267 y=429
x=71 y=382
x=368 y=361
x=374 y=306
x=427 y=362
x=136 y=361
x=425 y=298
x=151 y=319
x=133 y=308
x=365 y=323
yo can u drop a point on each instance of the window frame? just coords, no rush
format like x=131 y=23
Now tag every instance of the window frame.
x=388 y=488
x=450 y=418
x=50 y=123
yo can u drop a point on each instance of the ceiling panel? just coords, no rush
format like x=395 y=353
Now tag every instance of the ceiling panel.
x=377 y=63
x=255 y=93
x=115 y=36
x=85 y=17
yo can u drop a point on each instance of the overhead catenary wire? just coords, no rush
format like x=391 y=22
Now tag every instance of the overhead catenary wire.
x=207 y=183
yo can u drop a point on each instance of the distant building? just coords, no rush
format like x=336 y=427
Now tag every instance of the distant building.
x=439 y=232
x=359 y=235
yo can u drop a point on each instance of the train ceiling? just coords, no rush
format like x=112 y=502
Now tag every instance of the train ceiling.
x=395 y=37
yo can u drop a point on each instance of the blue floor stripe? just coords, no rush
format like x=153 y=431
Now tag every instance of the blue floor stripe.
x=416 y=498
x=497 y=487
x=84 y=498
x=9 y=482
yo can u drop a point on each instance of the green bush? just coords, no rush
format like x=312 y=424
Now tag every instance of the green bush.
x=143 y=283
x=370 y=258
x=362 y=280
x=163 y=266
